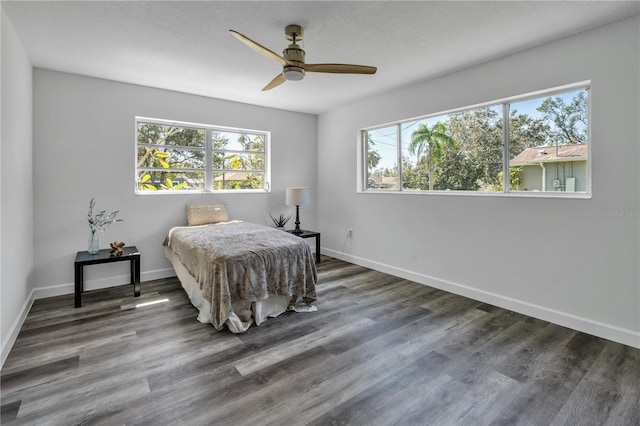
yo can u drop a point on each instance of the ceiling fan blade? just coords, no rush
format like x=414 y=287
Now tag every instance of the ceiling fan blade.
x=259 y=48
x=340 y=68
x=275 y=82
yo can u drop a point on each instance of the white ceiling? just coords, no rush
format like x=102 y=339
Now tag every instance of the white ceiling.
x=186 y=46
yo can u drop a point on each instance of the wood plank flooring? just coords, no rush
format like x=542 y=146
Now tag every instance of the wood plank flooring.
x=380 y=351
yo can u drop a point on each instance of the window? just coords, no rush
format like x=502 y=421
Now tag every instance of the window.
x=185 y=157
x=382 y=158
x=536 y=143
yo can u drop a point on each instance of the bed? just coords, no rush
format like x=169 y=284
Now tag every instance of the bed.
x=239 y=273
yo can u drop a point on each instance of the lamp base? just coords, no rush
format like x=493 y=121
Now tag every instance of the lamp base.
x=297 y=231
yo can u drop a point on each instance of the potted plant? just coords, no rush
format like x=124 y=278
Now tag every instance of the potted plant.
x=280 y=221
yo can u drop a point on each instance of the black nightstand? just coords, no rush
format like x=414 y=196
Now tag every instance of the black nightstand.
x=310 y=234
x=83 y=258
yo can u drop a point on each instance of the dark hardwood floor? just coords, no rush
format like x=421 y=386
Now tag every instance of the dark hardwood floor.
x=379 y=351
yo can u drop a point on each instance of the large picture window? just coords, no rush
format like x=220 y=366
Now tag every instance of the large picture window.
x=529 y=144
x=186 y=157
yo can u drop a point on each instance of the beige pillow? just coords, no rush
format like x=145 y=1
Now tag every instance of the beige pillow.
x=198 y=214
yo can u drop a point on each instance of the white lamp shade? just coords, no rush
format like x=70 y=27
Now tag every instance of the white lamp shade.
x=298 y=196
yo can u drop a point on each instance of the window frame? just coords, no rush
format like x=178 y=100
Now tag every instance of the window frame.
x=208 y=149
x=362 y=166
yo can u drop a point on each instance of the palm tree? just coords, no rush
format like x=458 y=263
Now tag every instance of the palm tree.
x=434 y=141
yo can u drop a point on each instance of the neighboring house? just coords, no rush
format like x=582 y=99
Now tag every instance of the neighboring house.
x=223 y=180
x=378 y=181
x=231 y=176
x=553 y=168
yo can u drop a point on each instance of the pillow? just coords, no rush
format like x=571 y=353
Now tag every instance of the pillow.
x=198 y=214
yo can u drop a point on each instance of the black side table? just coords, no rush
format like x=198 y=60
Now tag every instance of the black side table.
x=83 y=258
x=310 y=234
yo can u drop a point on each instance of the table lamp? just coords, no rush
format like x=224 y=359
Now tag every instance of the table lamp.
x=297 y=196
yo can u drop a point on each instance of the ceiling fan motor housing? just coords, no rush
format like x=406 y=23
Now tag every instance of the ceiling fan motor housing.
x=294 y=53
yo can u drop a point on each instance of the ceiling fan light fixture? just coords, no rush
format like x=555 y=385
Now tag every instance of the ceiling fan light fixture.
x=293 y=73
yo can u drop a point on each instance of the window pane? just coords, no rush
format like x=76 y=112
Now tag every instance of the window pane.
x=548 y=143
x=162 y=157
x=238 y=141
x=238 y=161
x=381 y=153
x=477 y=161
x=155 y=134
x=424 y=143
x=160 y=180
x=460 y=151
x=238 y=180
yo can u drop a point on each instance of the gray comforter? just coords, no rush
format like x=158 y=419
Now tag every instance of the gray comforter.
x=241 y=260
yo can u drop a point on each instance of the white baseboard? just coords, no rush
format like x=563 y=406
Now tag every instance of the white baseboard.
x=585 y=325
x=68 y=288
x=15 y=328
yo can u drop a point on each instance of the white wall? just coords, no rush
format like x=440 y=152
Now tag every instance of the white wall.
x=84 y=147
x=492 y=248
x=16 y=189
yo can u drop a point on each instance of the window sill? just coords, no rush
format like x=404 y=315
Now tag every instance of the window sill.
x=519 y=194
x=219 y=191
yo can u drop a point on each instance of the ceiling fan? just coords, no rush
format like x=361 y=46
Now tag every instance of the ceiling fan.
x=292 y=59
